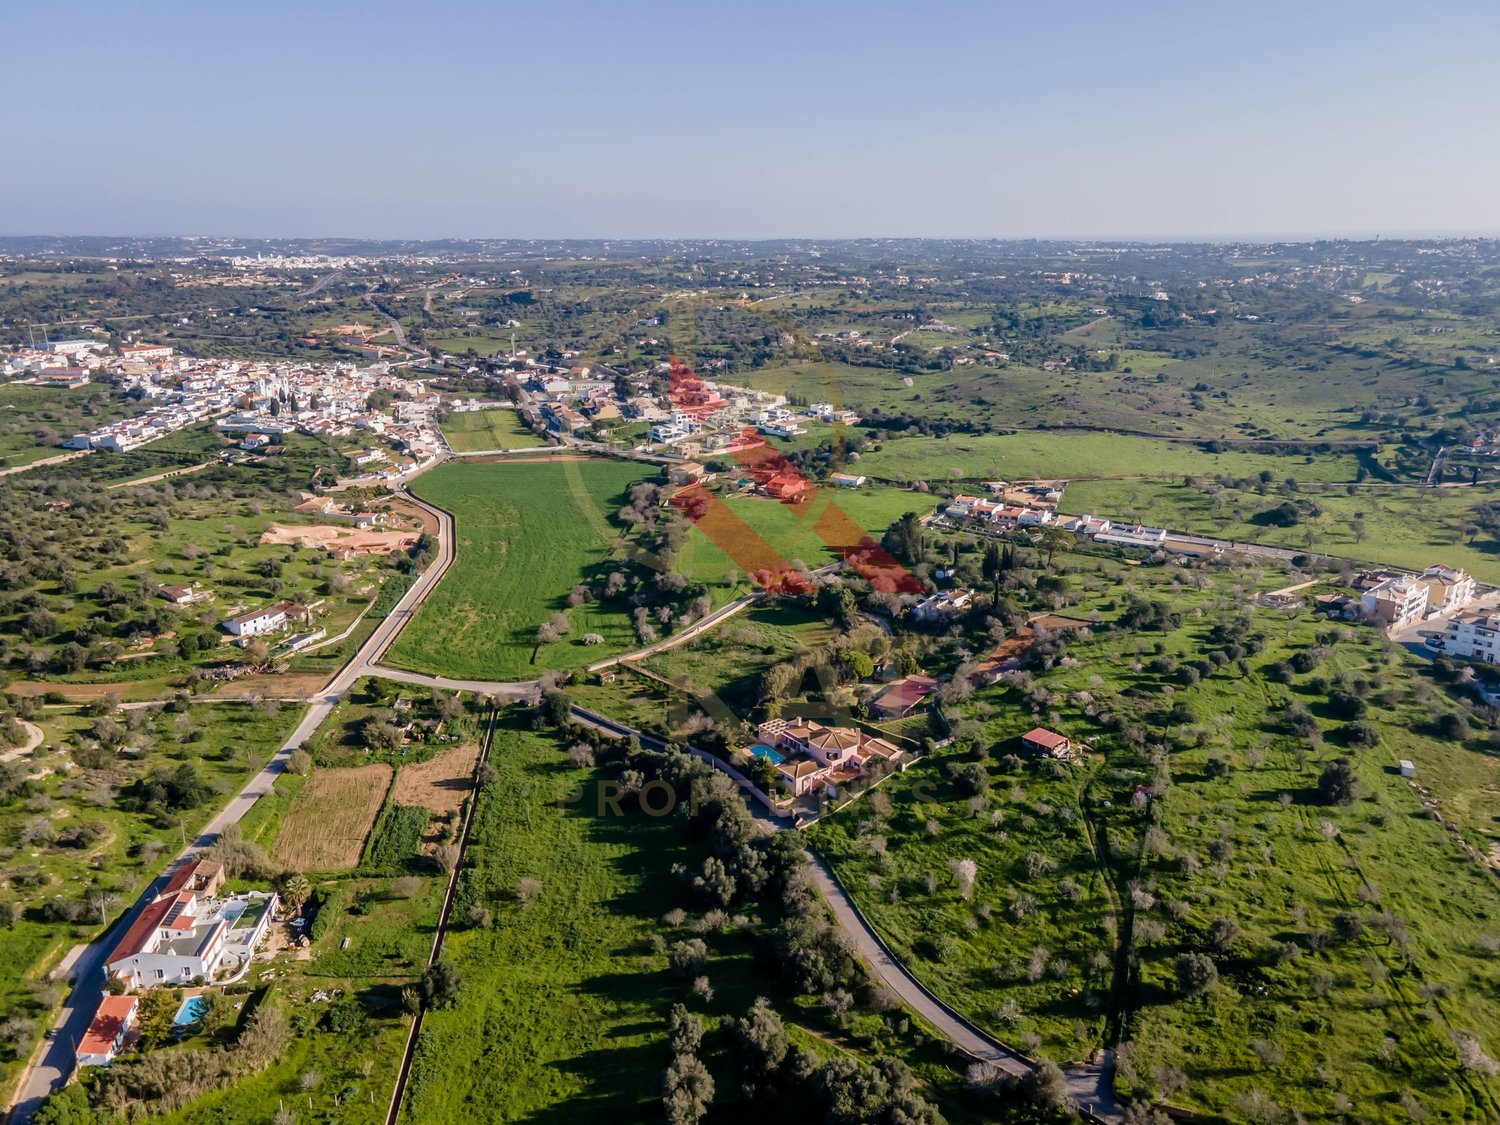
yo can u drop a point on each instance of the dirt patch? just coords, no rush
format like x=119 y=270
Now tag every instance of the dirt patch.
x=1014 y=646
x=83 y=693
x=340 y=538
x=409 y=511
x=441 y=784
x=330 y=817
x=293 y=686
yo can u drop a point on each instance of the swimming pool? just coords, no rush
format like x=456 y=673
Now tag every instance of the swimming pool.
x=761 y=750
x=191 y=1012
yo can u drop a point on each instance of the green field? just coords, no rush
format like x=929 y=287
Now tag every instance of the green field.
x=33 y=420
x=727 y=662
x=791 y=531
x=1304 y=1011
x=526 y=535
x=478 y=430
x=1046 y=455
x=1407 y=527
x=562 y=1014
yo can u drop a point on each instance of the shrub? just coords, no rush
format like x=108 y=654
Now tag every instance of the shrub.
x=1337 y=784
x=330 y=907
x=1196 y=972
x=1453 y=726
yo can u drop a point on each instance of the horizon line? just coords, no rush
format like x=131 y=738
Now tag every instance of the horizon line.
x=1126 y=239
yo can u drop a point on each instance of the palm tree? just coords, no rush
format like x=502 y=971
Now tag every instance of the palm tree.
x=295 y=891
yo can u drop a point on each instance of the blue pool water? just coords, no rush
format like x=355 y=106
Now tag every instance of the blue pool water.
x=231 y=911
x=761 y=750
x=190 y=1013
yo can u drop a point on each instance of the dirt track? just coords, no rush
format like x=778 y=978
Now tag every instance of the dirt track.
x=332 y=538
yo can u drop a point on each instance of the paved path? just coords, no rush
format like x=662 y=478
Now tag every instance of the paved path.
x=717 y=617
x=56 y=1060
x=1091 y=1086
x=182 y=472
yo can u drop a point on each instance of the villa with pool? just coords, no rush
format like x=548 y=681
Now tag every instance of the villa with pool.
x=192 y=932
x=809 y=756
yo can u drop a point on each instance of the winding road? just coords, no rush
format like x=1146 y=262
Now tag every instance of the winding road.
x=56 y=1061
x=1089 y=1086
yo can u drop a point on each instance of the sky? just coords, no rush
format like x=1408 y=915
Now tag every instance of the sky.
x=1144 y=119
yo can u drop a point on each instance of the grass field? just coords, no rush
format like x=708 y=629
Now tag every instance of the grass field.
x=813 y=532
x=474 y=430
x=1046 y=455
x=326 y=826
x=526 y=535
x=1301 y=1016
x=1408 y=527
x=33 y=420
x=727 y=662
x=397 y=838
x=561 y=1017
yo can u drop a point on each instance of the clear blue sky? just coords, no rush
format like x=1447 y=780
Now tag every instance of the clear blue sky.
x=566 y=118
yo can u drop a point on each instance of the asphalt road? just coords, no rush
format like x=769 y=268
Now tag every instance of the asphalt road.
x=57 y=1056
x=1090 y=1086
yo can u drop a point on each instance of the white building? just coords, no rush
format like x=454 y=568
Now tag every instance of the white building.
x=1396 y=601
x=943 y=605
x=258 y=621
x=1473 y=636
x=1448 y=588
x=70 y=347
x=146 y=351
x=188 y=933
x=112 y=1022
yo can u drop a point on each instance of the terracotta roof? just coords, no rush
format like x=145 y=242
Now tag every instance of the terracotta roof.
x=836 y=738
x=107 y=1025
x=905 y=694
x=196 y=874
x=800 y=768
x=135 y=938
x=1040 y=736
x=880 y=748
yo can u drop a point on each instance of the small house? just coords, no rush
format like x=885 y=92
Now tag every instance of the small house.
x=256 y=622
x=1040 y=740
x=901 y=698
x=107 y=1031
x=785 y=486
x=1408 y=768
